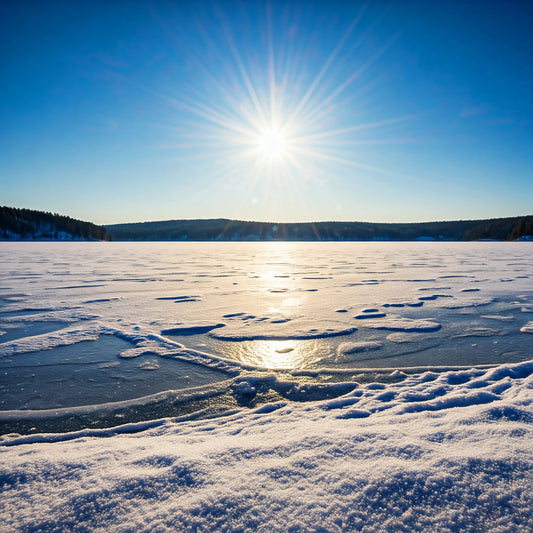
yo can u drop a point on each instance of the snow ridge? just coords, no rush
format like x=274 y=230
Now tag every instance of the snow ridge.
x=423 y=454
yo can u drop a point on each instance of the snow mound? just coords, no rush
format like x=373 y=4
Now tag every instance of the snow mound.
x=347 y=348
x=191 y=329
x=528 y=328
x=279 y=330
x=405 y=324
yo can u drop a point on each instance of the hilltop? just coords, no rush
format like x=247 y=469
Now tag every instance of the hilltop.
x=236 y=230
x=28 y=224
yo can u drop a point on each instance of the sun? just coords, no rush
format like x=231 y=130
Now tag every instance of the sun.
x=270 y=119
x=272 y=143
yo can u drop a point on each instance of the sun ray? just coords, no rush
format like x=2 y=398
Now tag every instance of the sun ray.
x=274 y=125
x=323 y=71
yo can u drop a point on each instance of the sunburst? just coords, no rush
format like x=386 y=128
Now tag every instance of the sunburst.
x=268 y=126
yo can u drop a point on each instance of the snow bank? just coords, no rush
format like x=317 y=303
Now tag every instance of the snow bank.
x=436 y=452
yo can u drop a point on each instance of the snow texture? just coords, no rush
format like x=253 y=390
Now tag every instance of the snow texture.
x=436 y=452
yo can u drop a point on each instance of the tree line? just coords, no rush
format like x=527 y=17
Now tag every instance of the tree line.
x=28 y=224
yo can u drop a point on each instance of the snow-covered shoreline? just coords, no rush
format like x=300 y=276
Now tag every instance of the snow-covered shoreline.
x=436 y=452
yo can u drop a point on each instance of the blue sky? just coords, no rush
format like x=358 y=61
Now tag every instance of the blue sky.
x=381 y=111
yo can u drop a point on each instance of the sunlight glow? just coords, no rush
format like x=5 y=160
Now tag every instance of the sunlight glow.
x=272 y=143
x=284 y=128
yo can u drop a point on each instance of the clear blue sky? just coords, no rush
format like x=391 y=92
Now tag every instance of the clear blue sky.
x=124 y=111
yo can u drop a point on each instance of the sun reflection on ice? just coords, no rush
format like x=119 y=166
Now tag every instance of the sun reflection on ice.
x=277 y=354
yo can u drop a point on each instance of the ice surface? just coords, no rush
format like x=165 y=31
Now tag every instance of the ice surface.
x=417 y=420
x=272 y=305
x=92 y=373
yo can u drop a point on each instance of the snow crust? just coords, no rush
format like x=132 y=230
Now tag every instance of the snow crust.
x=436 y=452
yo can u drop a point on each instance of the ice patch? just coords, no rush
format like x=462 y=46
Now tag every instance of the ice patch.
x=69 y=287
x=456 y=276
x=101 y=300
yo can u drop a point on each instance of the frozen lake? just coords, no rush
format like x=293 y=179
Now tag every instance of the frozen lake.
x=100 y=330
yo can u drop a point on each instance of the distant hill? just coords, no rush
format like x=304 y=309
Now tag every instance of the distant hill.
x=236 y=230
x=27 y=224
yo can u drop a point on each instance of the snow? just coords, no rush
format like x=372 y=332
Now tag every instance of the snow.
x=424 y=454
x=357 y=347
x=404 y=324
x=263 y=402
x=270 y=331
x=191 y=329
x=528 y=328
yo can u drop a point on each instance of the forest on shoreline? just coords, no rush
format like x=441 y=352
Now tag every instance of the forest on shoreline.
x=28 y=224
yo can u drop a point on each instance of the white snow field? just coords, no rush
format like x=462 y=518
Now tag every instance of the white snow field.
x=266 y=387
